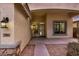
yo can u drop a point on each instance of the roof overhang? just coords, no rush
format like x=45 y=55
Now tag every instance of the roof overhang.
x=70 y=6
x=27 y=10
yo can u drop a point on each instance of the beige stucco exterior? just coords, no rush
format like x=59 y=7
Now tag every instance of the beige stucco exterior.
x=48 y=20
x=7 y=10
x=37 y=6
x=53 y=17
x=22 y=27
x=74 y=24
x=18 y=26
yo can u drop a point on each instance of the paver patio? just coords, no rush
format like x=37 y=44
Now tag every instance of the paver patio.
x=41 y=50
x=28 y=51
x=57 y=50
x=46 y=47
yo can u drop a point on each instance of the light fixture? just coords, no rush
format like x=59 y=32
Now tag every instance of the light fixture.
x=4 y=22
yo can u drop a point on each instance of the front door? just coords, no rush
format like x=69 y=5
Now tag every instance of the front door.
x=38 y=30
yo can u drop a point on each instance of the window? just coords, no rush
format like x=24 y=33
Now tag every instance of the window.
x=59 y=27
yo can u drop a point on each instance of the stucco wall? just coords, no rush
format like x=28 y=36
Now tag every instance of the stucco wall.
x=70 y=6
x=22 y=26
x=7 y=10
x=75 y=25
x=53 y=17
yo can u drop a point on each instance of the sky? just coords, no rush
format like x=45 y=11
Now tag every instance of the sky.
x=76 y=18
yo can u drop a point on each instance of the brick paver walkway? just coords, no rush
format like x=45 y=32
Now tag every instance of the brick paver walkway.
x=41 y=50
x=46 y=47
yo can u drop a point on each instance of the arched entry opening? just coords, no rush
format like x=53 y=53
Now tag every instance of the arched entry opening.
x=38 y=25
x=52 y=23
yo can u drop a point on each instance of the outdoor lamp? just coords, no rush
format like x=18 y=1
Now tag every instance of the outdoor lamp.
x=4 y=22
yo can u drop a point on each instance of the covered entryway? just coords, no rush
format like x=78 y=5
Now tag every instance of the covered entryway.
x=38 y=29
x=52 y=23
x=58 y=30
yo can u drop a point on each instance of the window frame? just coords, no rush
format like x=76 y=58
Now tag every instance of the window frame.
x=60 y=21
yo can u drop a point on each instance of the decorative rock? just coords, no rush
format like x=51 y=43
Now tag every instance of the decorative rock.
x=9 y=51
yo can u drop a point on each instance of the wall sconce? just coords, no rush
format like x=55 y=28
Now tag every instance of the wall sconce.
x=4 y=22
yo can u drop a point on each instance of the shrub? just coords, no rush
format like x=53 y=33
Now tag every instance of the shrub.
x=73 y=49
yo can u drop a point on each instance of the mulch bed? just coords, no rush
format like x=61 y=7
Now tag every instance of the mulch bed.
x=28 y=51
x=57 y=49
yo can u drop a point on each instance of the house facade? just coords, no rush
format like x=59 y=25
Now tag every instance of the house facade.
x=36 y=20
x=56 y=25
x=18 y=26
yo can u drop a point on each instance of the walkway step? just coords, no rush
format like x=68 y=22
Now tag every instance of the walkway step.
x=41 y=50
